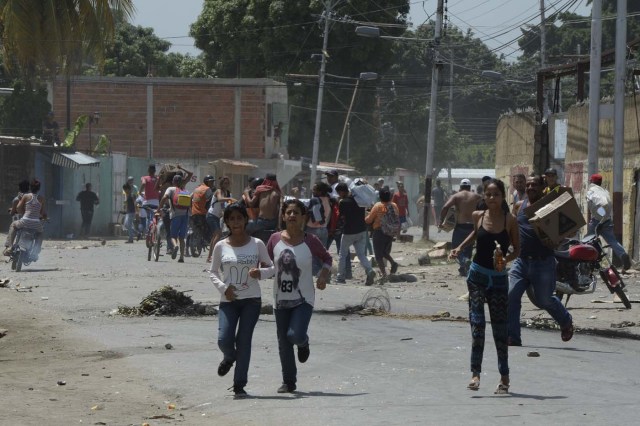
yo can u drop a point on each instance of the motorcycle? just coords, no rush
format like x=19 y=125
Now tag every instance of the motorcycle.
x=579 y=264
x=25 y=250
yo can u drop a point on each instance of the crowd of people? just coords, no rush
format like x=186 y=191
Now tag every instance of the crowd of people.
x=287 y=238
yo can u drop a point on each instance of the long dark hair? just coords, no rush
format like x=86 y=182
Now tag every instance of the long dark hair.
x=235 y=207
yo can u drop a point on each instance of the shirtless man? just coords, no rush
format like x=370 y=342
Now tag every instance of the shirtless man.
x=267 y=199
x=465 y=203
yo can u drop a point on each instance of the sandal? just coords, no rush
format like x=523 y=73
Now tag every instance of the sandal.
x=502 y=389
x=474 y=384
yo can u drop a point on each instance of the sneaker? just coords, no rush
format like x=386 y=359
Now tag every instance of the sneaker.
x=567 y=332
x=181 y=260
x=394 y=267
x=303 y=353
x=287 y=388
x=174 y=252
x=239 y=391
x=513 y=342
x=371 y=276
x=626 y=262
x=224 y=367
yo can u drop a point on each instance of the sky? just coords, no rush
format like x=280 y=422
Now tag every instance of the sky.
x=496 y=22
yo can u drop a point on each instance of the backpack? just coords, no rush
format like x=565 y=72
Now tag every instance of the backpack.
x=181 y=199
x=390 y=222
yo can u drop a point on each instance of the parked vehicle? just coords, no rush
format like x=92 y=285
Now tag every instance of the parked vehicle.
x=25 y=250
x=580 y=263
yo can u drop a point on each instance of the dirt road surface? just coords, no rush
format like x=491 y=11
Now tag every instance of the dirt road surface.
x=66 y=359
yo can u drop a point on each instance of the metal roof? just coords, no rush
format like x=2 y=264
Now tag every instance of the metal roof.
x=74 y=160
x=466 y=173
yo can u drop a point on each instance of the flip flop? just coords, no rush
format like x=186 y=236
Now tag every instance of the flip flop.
x=502 y=389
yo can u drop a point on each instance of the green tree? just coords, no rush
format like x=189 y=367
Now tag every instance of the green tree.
x=44 y=36
x=22 y=112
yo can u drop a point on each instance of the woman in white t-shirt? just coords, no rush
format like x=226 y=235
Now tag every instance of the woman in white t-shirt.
x=239 y=261
x=293 y=251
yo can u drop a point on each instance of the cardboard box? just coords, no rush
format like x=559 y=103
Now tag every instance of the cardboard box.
x=556 y=216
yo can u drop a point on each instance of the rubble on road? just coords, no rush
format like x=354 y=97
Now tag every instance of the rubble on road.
x=167 y=301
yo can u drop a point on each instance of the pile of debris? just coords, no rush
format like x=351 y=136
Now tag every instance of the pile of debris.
x=167 y=301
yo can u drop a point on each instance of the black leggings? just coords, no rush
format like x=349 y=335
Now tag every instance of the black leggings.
x=382 y=247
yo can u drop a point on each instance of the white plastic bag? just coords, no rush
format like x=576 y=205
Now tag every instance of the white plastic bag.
x=364 y=195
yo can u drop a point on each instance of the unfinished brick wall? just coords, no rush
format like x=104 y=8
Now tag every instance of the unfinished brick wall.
x=195 y=119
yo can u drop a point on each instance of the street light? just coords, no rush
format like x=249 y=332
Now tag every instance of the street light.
x=431 y=131
x=364 y=76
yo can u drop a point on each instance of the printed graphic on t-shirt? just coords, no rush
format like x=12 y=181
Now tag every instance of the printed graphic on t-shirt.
x=288 y=272
x=239 y=266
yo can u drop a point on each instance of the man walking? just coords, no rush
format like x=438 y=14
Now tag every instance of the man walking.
x=519 y=184
x=180 y=200
x=131 y=211
x=600 y=208
x=354 y=233
x=88 y=199
x=535 y=267
x=465 y=203
x=438 y=197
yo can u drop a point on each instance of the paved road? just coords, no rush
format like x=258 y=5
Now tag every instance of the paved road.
x=363 y=370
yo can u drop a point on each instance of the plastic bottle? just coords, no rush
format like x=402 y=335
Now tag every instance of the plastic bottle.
x=499 y=262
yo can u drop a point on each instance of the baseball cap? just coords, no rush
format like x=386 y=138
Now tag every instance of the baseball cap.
x=596 y=178
x=129 y=178
x=551 y=171
x=332 y=172
x=465 y=182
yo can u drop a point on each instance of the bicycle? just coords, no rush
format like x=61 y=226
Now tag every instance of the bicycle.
x=154 y=234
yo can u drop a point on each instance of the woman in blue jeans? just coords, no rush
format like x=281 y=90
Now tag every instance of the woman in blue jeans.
x=292 y=251
x=239 y=261
x=488 y=281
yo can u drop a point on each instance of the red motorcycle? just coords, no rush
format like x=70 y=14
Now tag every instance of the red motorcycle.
x=579 y=265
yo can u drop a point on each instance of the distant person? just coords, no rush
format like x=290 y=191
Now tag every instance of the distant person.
x=266 y=198
x=150 y=187
x=319 y=216
x=438 y=196
x=299 y=191
x=23 y=188
x=179 y=213
x=333 y=177
x=551 y=180
x=465 y=203
x=220 y=199
x=601 y=210
x=401 y=200
x=519 y=186
x=50 y=130
x=131 y=211
x=354 y=233
x=32 y=211
x=382 y=242
x=88 y=200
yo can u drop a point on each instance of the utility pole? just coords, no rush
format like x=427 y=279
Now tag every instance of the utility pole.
x=543 y=60
x=328 y=6
x=594 y=86
x=450 y=86
x=618 y=116
x=431 y=134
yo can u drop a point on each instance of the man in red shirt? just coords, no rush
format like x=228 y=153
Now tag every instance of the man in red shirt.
x=402 y=201
x=150 y=188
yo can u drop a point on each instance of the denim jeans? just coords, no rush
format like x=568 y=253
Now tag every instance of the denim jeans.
x=323 y=236
x=292 y=325
x=242 y=314
x=358 y=241
x=129 y=225
x=606 y=231
x=261 y=224
x=540 y=274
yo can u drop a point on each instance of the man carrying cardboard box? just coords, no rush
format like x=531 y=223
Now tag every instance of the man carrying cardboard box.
x=535 y=267
x=600 y=207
